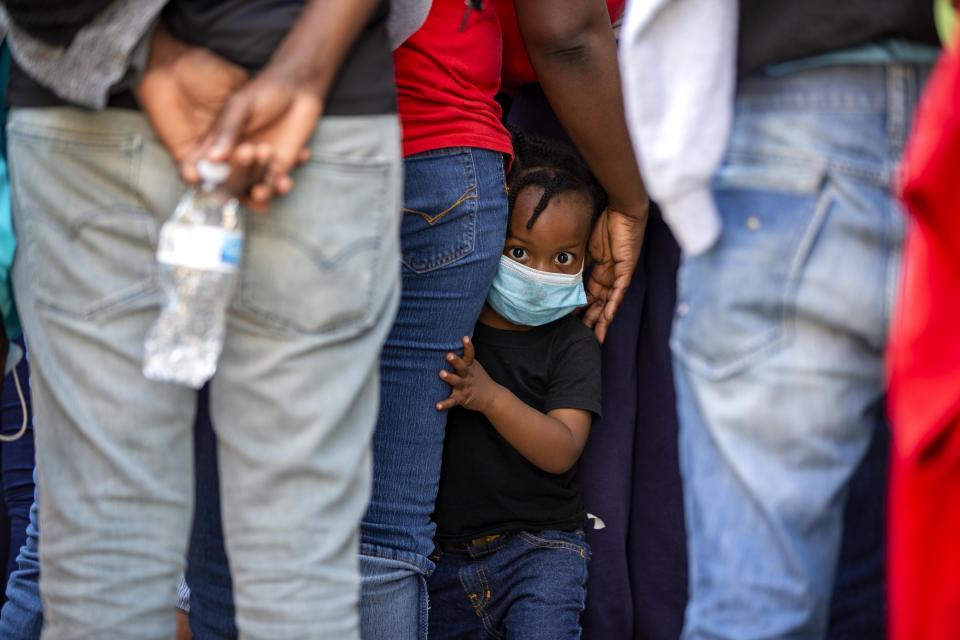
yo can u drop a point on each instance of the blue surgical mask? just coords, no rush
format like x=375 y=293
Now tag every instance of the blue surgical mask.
x=532 y=298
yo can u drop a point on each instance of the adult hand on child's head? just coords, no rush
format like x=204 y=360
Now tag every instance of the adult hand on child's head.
x=615 y=249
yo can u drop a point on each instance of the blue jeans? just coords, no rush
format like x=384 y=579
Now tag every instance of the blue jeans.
x=22 y=614
x=452 y=235
x=779 y=342
x=523 y=586
x=293 y=401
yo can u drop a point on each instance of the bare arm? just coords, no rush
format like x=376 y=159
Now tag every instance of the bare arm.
x=279 y=109
x=574 y=52
x=552 y=441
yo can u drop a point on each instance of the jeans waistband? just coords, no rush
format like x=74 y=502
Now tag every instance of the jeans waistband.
x=846 y=88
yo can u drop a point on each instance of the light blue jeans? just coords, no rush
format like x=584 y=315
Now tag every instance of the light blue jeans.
x=779 y=342
x=294 y=400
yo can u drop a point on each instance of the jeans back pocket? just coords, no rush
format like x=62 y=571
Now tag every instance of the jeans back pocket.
x=315 y=262
x=734 y=301
x=439 y=224
x=87 y=239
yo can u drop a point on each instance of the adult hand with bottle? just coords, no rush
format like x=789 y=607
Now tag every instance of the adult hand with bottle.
x=204 y=107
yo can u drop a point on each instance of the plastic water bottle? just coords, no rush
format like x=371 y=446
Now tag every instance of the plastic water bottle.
x=199 y=253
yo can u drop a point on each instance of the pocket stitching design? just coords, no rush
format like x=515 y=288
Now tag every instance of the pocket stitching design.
x=469 y=194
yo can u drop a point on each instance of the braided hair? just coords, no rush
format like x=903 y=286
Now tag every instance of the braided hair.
x=554 y=167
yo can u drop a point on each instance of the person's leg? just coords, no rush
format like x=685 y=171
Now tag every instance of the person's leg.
x=656 y=547
x=18 y=456
x=858 y=606
x=89 y=192
x=212 y=614
x=779 y=344
x=453 y=229
x=453 y=615
x=537 y=586
x=22 y=614
x=294 y=401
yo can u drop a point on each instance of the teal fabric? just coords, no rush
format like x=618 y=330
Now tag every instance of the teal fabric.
x=886 y=52
x=8 y=242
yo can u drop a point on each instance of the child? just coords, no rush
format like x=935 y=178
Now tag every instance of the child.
x=511 y=556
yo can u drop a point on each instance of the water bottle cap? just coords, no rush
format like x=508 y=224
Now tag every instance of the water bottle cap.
x=213 y=172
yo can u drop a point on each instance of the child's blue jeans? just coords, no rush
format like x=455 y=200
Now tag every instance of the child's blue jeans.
x=524 y=586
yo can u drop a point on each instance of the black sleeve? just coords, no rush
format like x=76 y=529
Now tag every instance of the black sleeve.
x=575 y=376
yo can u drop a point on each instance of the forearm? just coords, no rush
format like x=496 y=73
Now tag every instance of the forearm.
x=318 y=43
x=543 y=440
x=574 y=52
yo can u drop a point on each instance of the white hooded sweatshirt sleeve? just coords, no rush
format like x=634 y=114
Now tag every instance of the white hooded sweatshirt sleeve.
x=678 y=64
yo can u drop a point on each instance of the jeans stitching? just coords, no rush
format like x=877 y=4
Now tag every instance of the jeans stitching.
x=486 y=596
x=467 y=240
x=543 y=543
x=469 y=194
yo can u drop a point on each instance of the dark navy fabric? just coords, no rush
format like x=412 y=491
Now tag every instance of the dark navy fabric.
x=16 y=470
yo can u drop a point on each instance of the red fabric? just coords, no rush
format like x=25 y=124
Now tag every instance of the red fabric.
x=924 y=357
x=447 y=80
x=516 y=65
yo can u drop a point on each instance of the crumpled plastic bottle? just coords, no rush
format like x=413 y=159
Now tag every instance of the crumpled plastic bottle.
x=198 y=254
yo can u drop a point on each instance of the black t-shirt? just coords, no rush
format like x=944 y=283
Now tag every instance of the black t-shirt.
x=246 y=32
x=774 y=31
x=486 y=486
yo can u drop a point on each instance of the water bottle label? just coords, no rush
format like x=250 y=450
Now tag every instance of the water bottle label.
x=204 y=248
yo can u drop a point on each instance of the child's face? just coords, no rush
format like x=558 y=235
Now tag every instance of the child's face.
x=557 y=243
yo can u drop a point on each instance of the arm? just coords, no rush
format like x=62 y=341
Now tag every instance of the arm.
x=280 y=107
x=552 y=441
x=573 y=50
x=678 y=65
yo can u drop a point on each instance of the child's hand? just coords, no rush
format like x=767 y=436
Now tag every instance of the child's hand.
x=471 y=387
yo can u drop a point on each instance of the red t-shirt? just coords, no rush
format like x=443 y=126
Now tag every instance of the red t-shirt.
x=516 y=65
x=447 y=79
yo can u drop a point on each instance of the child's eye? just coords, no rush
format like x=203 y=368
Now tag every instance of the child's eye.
x=563 y=258
x=518 y=253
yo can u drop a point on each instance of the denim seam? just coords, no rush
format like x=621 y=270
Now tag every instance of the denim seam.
x=87 y=142
x=484 y=599
x=831 y=165
x=542 y=543
x=421 y=564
